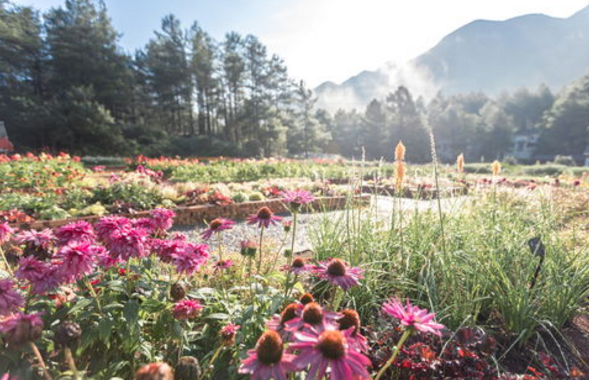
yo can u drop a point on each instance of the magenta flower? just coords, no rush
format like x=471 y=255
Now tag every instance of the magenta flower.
x=5 y=232
x=145 y=224
x=223 y=265
x=22 y=328
x=268 y=360
x=42 y=275
x=264 y=218
x=297 y=198
x=10 y=299
x=313 y=316
x=350 y=320
x=412 y=316
x=7 y=376
x=190 y=258
x=163 y=219
x=37 y=239
x=329 y=349
x=75 y=260
x=75 y=232
x=228 y=333
x=186 y=309
x=298 y=266
x=216 y=226
x=109 y=224
x=338 y=272
x=164 y=249
x=128 y=243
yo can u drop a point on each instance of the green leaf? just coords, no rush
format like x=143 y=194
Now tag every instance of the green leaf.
x=80 y=305
x=105 y=329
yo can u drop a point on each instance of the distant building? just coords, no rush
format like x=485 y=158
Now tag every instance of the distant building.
x=5 y=144
x=524 y=145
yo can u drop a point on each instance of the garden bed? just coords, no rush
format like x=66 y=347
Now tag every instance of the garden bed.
x=197 y=214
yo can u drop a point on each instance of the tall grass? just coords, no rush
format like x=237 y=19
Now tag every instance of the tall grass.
x=482 y=277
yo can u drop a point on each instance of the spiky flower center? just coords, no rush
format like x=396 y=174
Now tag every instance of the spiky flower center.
x=265 y=213
x=350 y=319
x=306 y=298
x=336 y=268
x=269 y=348
x=289 y=313
x=313 y=313
x=215 y=224
x=298 y=263
x=332 y=344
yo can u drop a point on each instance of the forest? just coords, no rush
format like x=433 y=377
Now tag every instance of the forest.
x=67 y=84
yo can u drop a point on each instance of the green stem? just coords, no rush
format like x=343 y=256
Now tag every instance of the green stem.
x=71 y=363
x=94 y=295
x=211 y=365
x=337 y=298
x=220 y=246
x=260 y=249
x=404 y=337
x=294 y=234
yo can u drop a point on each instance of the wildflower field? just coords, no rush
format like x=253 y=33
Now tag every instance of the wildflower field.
x=491 y=283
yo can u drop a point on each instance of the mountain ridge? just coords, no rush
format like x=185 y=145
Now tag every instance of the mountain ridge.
x=484 y=55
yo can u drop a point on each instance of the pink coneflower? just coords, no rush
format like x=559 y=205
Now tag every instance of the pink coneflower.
x=22 y=328
x=329 y=349
x=297 y=198
x=278 y=322
x=228 y=333
x=7 y=376
x=264 y=218
x=75 y=232
x=103 y=258
x=10 y=299
x=5 y=232
x=412 y=316
x=223 y=265
x=248 y=248
x=338 y=272
x=298 y=266
x=128 y=243
x=312 y=316
x=217 y=225
x=186 y=309
x=37 y=239
x=163 y=219
x=75 y=260
x=108 y=224
x=268 y=360
x=190 y=258
x=351 y=320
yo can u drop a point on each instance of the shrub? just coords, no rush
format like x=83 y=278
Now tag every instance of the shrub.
x=564 y=160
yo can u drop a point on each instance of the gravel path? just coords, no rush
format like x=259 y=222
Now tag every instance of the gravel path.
x=275 y=234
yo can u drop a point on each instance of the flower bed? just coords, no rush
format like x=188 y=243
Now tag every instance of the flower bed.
x=189 y=215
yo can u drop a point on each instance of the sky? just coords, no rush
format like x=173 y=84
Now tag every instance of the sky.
x=323 y=40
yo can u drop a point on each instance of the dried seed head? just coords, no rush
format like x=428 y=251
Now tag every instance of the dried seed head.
x=496 y=167
x=177 y=292
x=400 y=174
x=68 y=333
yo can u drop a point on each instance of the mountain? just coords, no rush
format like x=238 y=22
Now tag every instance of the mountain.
x=488 y=56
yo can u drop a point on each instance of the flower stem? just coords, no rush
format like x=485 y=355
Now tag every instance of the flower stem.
x=260 y=249
x=6 y=262
x=94 y=295
x=337 y=298
x=211 y=364
x=219 y=243
x=71 y=363
x=404 y=337
x=294 y=235
x=37 y=354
